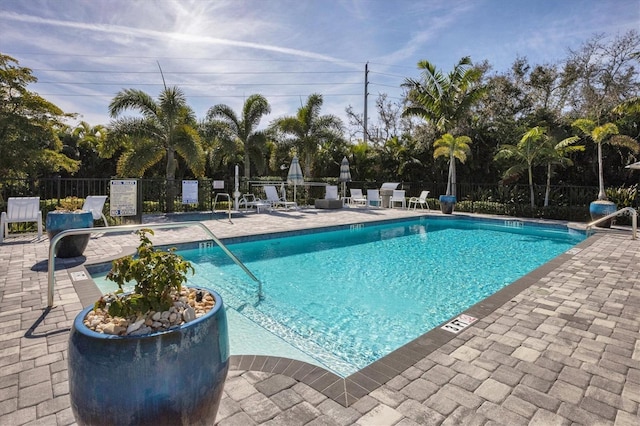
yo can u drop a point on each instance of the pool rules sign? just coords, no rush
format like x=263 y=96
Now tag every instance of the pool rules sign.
x=123 y=197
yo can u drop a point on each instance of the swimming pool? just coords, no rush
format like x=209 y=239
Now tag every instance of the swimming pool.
x=343 y=299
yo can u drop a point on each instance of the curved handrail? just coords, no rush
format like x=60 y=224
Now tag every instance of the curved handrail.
x=123 y=228
x=634 y=220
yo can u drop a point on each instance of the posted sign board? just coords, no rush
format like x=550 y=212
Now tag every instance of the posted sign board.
x=189 y=192
x=123 y=197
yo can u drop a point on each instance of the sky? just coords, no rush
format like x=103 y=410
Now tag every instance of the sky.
x=222 y=51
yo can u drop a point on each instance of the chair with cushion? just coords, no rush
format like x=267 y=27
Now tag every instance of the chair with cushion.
x=95 y=205
x=422 y=200
x=357 y=198
x=398 y=197
x=21 y=209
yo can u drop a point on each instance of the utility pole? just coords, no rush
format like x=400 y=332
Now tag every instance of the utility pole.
x=366 y=93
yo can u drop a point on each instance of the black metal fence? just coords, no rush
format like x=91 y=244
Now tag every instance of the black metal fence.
x=565 y=202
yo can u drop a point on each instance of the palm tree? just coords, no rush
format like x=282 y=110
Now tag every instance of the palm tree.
x=606 y=133
x=309 y=129
x=444 y=100
x=452 y=148
x=559 y=156
x=530 y=151
x=243 y=129
x=166 y=127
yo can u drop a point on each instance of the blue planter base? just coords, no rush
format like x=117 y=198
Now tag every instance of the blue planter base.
x=173 y=377
x=72 y=245
x=447 y=203
x=601 y=208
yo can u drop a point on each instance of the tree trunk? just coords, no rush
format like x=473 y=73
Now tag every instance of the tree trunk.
x=451 y=181
x=533 y=200
x=548 y=188
x=170 y=176
x=601 y=194
x=247 y=165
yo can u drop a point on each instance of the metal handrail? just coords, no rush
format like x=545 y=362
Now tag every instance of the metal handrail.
x=634 y=220
x=123 y=228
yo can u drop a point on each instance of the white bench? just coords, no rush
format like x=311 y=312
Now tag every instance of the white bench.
x=21 y=209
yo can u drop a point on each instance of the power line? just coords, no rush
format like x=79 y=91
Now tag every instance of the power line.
x=194 y=73
x=196 y=84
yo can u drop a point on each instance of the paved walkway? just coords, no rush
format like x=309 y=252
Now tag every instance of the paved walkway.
x=559 y=347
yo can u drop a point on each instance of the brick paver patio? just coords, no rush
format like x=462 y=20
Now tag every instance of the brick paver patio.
x=559 y=347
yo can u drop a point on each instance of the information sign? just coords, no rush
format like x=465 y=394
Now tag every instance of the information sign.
x=123 y=197
x=189 y=192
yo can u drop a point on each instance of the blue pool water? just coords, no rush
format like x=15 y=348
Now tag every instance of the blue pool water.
x=343 y=299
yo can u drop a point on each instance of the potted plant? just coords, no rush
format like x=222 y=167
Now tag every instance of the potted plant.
x=157 y=355
x=69 y=215
x=606 y=133
x=451 y=147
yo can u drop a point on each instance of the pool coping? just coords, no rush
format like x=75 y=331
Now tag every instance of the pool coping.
x=348 y=390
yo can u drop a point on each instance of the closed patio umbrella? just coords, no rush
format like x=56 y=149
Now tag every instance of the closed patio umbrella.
x=345 y=175
x=295 y=175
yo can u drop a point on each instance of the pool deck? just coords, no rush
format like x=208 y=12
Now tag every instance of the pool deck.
x=561 y=346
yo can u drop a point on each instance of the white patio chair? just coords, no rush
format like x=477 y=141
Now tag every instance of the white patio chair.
x=373 y=198
x=249 y=201
x=20 y=209
x=398 y=197
x=275 y=200
x=95 y=205
x=357 y=198
x=422 y=200
x=331 y=192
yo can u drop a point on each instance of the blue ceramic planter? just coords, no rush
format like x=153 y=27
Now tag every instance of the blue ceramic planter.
x=447 y=203
x=173 y=377
x=602 y=208
x=72 y=245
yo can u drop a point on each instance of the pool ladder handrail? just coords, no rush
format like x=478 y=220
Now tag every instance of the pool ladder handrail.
x=124 y=228
x=630 y=210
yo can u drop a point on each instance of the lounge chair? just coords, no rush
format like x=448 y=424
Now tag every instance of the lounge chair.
x=95 y=205
x=373 y=198
x=249 y=201
x=331 y=199
x=422 y=200
x=275 y=200
x=398 y=197
x=357 y=198
x=21 y=209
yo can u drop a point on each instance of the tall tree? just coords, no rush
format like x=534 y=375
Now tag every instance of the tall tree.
x=166 y=128
x=243 y=129
x=532 y=150
x=89 y=141
x=444 y=100
x=559 y=156
x=29 y=126
x=310 y=130
x=452 y=148
x=603 y=74
x=604 y=134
